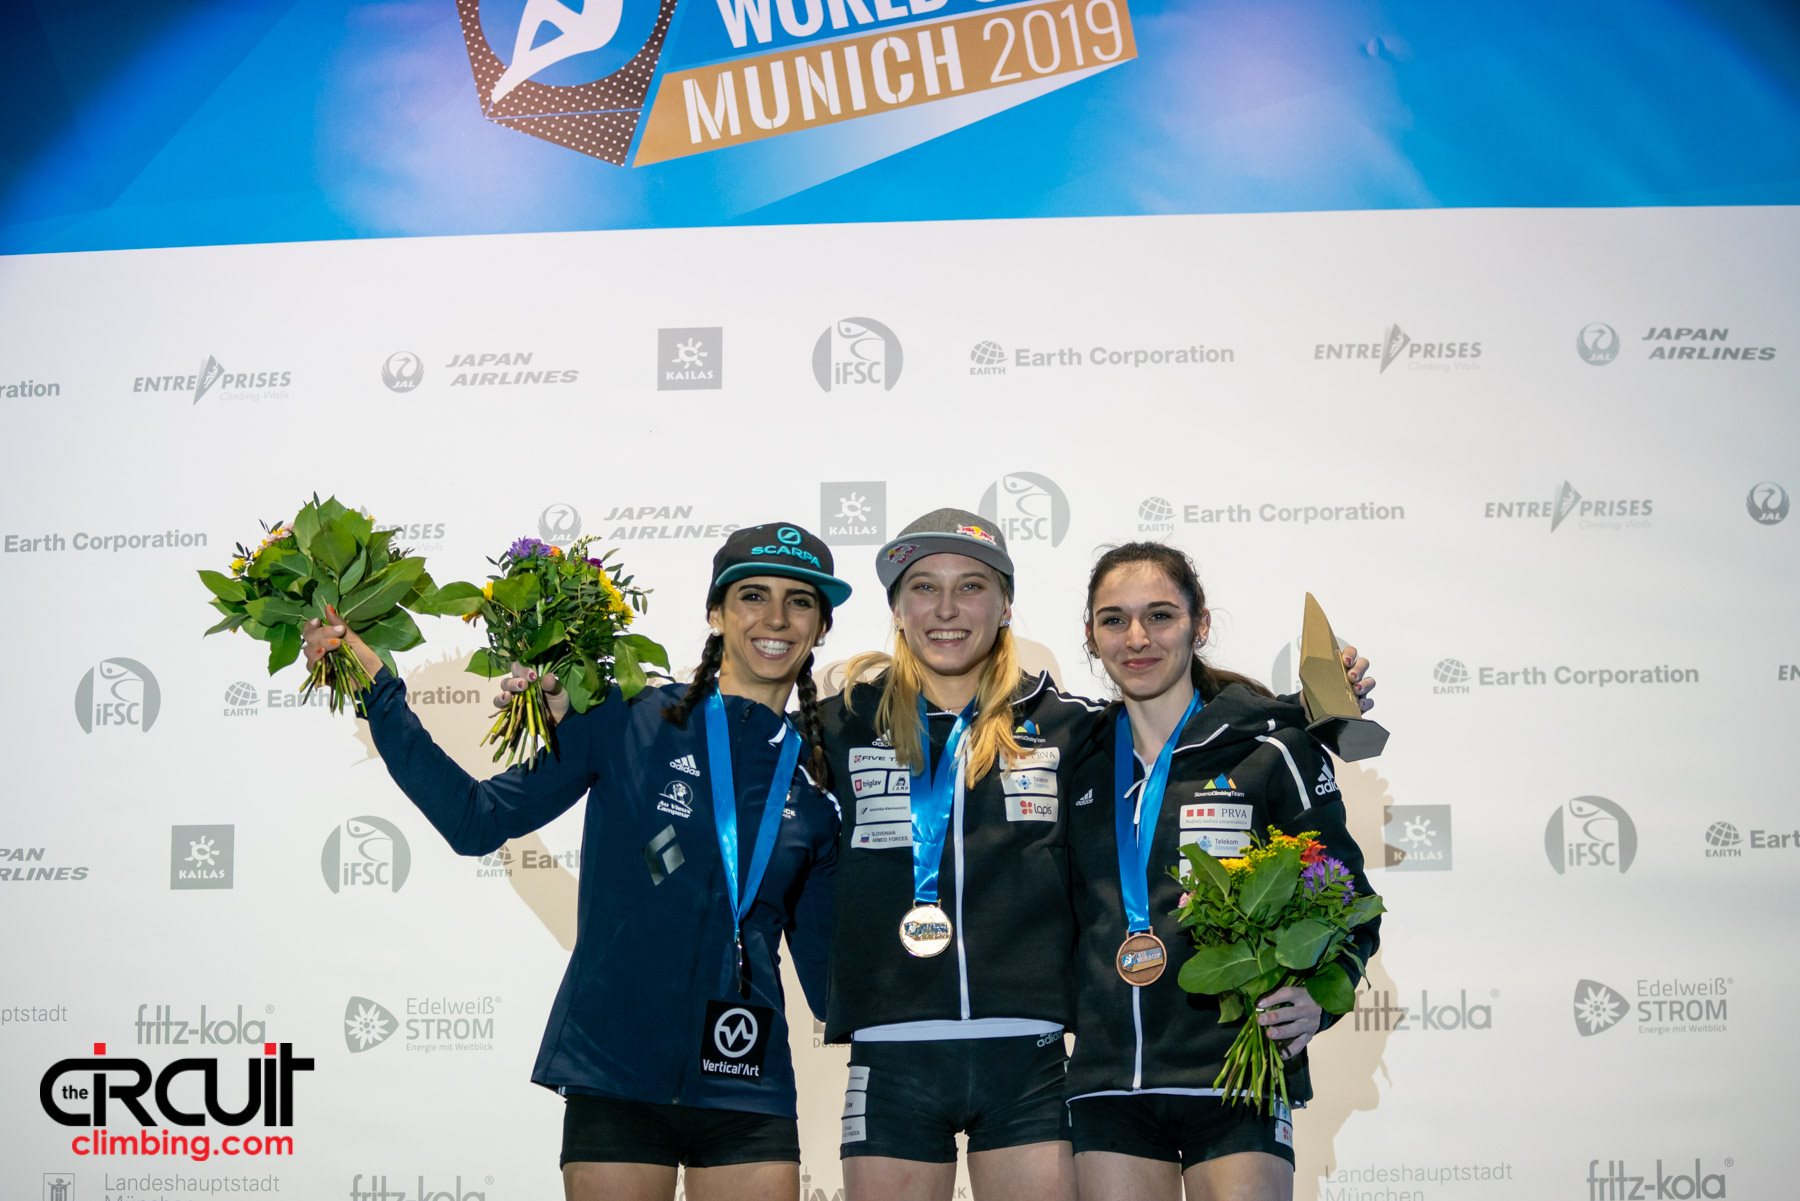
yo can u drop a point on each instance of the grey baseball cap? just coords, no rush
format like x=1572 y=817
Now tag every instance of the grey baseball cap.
x=940 y=532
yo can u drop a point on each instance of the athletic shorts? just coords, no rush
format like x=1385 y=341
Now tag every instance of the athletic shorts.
x=1177 y=1128
x=607 y=1130
x=907 y=1100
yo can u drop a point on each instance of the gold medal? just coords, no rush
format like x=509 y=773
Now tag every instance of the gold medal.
x=1141 y=959
x=925 y=931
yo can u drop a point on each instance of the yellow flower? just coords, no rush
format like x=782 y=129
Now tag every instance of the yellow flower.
x=487 y=590
x=1234 y=865
x=237 y=565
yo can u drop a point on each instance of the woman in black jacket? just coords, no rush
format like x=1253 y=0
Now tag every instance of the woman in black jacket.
x=1234 y=761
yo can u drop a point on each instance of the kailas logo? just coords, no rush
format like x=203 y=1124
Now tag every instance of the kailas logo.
x=1598 y=1008
x=854 y=514
x=1417 y=838
x=118 y=693
x=1767 y=503
x=857 y=352
x=1597 y=344
x=1156 y=515
x=403 y=371
x=1677 y=1183
x=1326 y=784
x=201 y=856
x=1589 y=833
x=677 y=799
x=1027 y=507
x=690 y=359
x=559 y=524
x=366 y=852
x=988 y=358
x=570 y=73
x=685 y=763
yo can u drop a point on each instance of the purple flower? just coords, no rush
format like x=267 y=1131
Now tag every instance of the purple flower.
x=1326 y=872
x=595 y=563
x=527 y=548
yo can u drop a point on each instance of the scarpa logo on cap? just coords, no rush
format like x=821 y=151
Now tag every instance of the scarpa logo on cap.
x=787 y=535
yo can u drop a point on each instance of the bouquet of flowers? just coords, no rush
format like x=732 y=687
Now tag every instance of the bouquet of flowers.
x=332 y=557
x=1280 y=915
x=556 y=612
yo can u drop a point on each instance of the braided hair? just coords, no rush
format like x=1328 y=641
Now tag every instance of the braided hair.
x=706 y=678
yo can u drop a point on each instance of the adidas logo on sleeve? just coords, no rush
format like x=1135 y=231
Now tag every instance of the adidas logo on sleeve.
x=1326 y=784
x=685 y=763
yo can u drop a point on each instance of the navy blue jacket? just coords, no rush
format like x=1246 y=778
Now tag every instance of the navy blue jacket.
x=648 y=956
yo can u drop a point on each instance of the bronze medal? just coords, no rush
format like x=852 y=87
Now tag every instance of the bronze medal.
x=1141 y=959
x=925 y=931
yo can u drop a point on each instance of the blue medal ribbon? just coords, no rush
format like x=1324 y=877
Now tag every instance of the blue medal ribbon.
x=724 y=807
x=933 y=796
x=1134 y=844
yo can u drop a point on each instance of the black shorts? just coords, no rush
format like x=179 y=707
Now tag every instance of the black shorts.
x=1178 y=1128
x=907 y=1100
x=606 y=1130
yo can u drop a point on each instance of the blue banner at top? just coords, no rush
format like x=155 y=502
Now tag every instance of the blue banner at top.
x=203 y=123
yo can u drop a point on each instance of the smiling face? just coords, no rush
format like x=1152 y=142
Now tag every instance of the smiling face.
x=949 y=609
x=1141 y=630
x=769 y=625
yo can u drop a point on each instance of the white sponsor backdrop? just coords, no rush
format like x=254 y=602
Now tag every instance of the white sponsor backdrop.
x=1488 y=1087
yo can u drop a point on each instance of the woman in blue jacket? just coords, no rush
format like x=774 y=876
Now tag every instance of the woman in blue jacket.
x=668 y=1037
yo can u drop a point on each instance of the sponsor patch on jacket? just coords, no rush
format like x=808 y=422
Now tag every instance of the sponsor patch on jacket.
x=677 y=799
x=880 y=782
x=1044 y=756
x=1218 y=786
x=1327 y=783
x=1208 y=815
x=872 y=756
x=1031 y=808
x=1220 y=844
x=1036 y=783
x=875 y=809
x=877 y=836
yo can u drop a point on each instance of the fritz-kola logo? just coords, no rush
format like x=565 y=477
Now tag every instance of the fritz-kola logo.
x=579 y=74
x=1590 y=832
x=857 y=352
x=365 y=852
x=1027 y=507
x=119 y=692
x=1676 y=1182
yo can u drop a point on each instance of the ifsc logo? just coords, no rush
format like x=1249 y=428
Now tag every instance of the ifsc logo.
x=365 y=852
x=402 y=371
x=1767 y=503
x=573 y=74
x=1590 y=832
x=118 y=692
x=1597 y=344
x=1027 y=507
x=857 y=352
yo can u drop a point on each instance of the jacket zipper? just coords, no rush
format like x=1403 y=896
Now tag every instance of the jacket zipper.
x=962 y=954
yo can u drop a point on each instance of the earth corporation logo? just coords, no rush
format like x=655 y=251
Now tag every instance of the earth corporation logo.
x=365 y=852
x=1598 y=1007
x=569 y=73
x=1588 y=833
x=987 y=358
x=1767 y=503
x=1597 y=344
x=690 y=359
x=117 y=693
x=559 y=524
x=857 y=352
x=403 y=371
x=1156 y=515
x=1027 y=507
x=854 y=514
x=1450 y=676
x=367 y=1024
x=201 y=857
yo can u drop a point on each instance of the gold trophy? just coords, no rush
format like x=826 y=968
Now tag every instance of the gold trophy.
x=1334 y=716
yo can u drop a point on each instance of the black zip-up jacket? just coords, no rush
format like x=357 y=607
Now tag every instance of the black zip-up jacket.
x=653 y=944
x=1244 y=763
x=1004 y=879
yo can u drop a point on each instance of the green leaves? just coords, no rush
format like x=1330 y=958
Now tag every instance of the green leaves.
x=395 y=632
x=627 y=674
x=642 y=650
x=1207 y=872
x=516 y=592
x=223 y=586
x=1263 y=893
x=1300 y=945
x=486 y=663
x=1363 y=909
x=284 y=646
x=1219 y=969
x=452 y=600
x=276 y=610
x=1330 y=986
